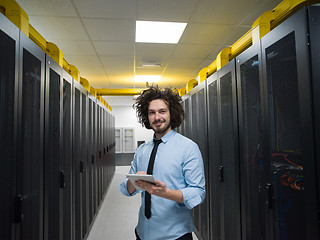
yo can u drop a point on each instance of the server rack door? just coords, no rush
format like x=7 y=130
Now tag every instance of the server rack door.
x=214 y=157
x=78 y=160
x=94 y=163
x=66 y=164
x=9 y=48
x=77 y=167
x=104 y=152
x=251 y=135
x=85 y=161
x=229 y=153
x=290 y=149
x=98 y=150
x=187 y=121
x=201 y=129
x=30 y=136
x=193 y=117
x=53 y=228
x=314 y=15
x=112 y=144
x=91 y=158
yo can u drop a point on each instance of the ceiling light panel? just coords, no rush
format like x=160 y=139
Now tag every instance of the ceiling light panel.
x=159 y=32
x=147 y=78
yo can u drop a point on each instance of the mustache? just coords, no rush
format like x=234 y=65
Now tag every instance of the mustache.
x=157 y=121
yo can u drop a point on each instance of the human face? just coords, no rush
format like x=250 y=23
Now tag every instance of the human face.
x=159 y=117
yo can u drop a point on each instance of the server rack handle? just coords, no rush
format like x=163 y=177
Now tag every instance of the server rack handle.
x=81 y=166
x=269 y=195
x=18 y=216
x=62 y=180
x=221 y=174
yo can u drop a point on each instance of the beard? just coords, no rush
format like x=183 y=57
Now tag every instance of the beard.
x=160 y=130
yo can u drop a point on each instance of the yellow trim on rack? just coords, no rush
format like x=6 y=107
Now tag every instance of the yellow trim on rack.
x=119 y=92
x=16 y=15
x=37 y=38
x=74 y=72
x=55 y=53
x=182 y=91
x=85 y=83
x=191 y=84
x=223 y=58
x=203 y=74
x=212 y=68
x=93 y=91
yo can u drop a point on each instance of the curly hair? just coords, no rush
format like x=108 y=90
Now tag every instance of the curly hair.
x=171 y=98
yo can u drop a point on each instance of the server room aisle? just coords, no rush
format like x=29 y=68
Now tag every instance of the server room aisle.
x=118 y=214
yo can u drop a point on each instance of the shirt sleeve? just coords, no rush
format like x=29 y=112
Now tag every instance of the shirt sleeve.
x=193 y=171
x=123 y=185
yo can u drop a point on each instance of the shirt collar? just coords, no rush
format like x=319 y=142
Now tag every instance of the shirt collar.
x=166 y=137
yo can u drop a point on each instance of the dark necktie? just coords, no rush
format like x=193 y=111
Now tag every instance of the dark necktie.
x=147 y=197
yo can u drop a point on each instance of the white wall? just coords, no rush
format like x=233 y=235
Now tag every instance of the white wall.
x=126 y=117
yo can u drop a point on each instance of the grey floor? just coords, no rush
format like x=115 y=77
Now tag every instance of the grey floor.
x=118 y=214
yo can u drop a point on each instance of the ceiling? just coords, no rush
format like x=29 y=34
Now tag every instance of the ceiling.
x=98 y=36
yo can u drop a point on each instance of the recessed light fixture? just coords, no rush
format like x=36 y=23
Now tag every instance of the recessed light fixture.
x=151 y=65
x=159 y=32
x=147 y=78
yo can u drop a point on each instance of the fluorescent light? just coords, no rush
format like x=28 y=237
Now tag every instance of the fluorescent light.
x=151 y=65
x=147 y=78
x=159 y=32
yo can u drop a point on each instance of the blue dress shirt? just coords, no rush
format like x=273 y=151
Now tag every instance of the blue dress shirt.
x=178 y=163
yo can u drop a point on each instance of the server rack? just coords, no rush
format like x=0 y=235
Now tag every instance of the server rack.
x=229 y=174
x=85 y=161
x=67 y=159
x=199 y=135
x=251 y=140
x=9 y=58
x=30 y=136
x=54 y=176
x=91 y=158
x=313 y=15
x=213 y=157
x=79 y=160
x=290 y=145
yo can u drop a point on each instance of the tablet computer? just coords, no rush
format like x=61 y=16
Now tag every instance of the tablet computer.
x=136 y=177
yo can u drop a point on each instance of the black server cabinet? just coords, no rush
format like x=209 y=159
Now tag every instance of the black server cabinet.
x=54 y=176
x=79 y=160
x=9 y=58
x=229 y=169
x=214 y=157
x=67 y=163
x=105 y=152
x=92 y=131
x=85 y=161
x=91 y=157
x=30 y=139
x=58 y=153
x=193 y=135
x=199 y=135
x=187 y=118
x=96 y=157
x=222 y=108
x=314 y=38
x=112 y=144
x=290 y=147
x=251 y=139
x=99 y=152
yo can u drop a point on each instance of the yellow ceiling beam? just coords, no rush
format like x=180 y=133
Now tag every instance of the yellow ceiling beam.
x=119 y=92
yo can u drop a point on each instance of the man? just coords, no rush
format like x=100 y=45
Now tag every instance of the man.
x=177 y=170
